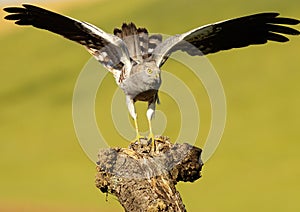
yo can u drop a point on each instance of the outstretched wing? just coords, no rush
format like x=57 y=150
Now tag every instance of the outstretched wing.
x=108 y=49
x=234 y=33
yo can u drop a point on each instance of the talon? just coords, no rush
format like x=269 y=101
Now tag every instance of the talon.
x=159 y=139
x=137 y=139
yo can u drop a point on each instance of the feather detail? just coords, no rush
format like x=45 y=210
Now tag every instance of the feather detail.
x=140 y=45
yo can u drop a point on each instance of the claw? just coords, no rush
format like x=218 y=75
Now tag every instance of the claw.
x=159 y=139
x=137 y=138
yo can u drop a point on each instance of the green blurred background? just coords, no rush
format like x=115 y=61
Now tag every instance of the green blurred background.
x=256 y=166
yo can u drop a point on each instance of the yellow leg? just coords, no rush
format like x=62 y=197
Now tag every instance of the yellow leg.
x=138 y=135
x=151 y=136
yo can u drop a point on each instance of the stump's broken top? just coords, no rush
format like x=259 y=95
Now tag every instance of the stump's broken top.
x=143 y=180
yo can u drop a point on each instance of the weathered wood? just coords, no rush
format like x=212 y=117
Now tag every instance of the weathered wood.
x=144 y=180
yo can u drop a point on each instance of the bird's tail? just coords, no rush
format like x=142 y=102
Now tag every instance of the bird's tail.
x=140 y=45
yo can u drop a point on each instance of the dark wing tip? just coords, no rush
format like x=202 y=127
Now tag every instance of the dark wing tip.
x=277 y=25
x=289 y=21
x=22 y=22
x=17 y=9
x=13 y=17
x=14 y=9
x=30 y=6
x=277 y=37
x=265 y=15
x=274 y=14
x=15 y=13
x=282 y=29
x=26 y=7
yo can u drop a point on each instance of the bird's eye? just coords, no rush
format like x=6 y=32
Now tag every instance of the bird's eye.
x=149 y=71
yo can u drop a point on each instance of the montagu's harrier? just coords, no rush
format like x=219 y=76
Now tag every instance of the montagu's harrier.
x=135 y=58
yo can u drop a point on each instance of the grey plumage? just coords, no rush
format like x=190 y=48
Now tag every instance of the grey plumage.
x=135 y=58
x=143 y=77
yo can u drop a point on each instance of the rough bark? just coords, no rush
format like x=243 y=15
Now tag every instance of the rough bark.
x=144 y=180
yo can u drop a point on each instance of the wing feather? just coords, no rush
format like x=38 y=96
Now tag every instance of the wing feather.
x=234 y=33
x=108 y=49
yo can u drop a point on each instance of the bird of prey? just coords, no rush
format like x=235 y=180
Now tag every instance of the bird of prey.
x=135 y=58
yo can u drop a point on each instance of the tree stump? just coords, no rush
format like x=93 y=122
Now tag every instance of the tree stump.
x=144 y=180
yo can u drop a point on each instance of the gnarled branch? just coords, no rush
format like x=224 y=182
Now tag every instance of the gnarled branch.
x=144 y=180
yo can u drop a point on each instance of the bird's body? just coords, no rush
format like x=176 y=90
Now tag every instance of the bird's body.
x=143 y=79
x=135 y=58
